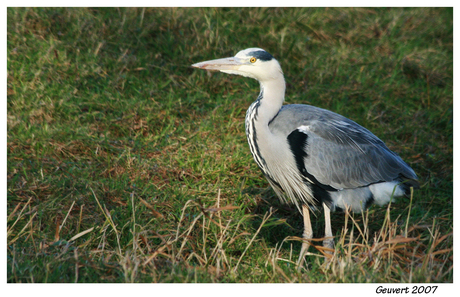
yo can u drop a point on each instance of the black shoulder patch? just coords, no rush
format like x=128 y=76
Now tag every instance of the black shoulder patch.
x=298 y=142
x=261 y=55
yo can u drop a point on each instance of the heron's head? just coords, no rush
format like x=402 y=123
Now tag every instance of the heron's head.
x=252 y=62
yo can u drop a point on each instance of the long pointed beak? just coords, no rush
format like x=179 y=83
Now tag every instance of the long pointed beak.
x=232 y=63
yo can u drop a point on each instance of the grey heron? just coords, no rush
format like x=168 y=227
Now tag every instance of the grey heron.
x=313 y=157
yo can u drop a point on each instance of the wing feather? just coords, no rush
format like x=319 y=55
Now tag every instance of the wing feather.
x=339 y=152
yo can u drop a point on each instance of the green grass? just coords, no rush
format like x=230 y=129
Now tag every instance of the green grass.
x=112 y=133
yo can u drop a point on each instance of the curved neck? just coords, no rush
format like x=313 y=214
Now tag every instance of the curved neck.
x=271 y=99
x=259 y=115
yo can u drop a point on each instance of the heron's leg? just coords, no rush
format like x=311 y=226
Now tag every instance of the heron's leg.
x=329 y=241
x=307 y=234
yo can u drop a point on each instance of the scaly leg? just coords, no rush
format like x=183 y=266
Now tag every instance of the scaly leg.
x=307 y=235
x=329 y=241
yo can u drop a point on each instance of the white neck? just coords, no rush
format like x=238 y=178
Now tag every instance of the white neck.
x=259 y=115
x=272 y=99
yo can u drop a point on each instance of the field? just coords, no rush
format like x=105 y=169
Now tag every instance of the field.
x=127 y=165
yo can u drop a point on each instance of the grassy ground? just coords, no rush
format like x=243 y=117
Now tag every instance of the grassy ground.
x=127 y=165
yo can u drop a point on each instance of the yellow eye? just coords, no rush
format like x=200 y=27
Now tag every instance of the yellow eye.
x=253 y=60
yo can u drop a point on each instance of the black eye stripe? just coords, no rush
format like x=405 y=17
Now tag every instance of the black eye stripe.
x=261 y=55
